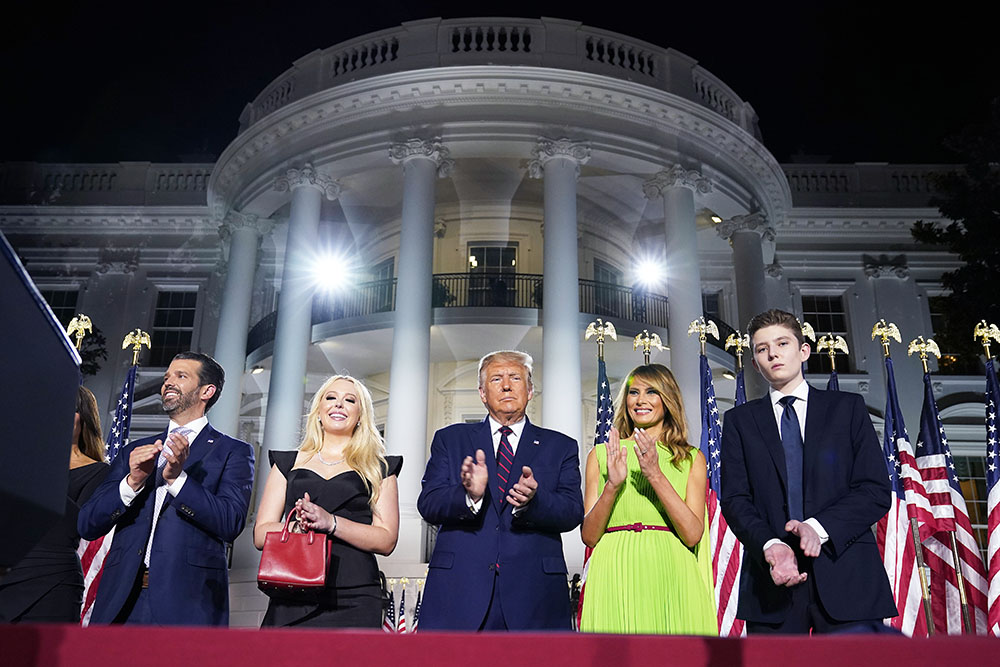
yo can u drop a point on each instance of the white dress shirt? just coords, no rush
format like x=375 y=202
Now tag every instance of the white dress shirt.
x=194 y=429
x=801 y=394
x=512 y=438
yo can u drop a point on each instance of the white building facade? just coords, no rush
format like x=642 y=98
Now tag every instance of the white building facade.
x=487 y=184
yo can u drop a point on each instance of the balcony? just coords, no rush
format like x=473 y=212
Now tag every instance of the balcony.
x=480 y=290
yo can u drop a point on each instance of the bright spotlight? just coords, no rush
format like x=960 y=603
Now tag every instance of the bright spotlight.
x=332 y=272
x=649 y=272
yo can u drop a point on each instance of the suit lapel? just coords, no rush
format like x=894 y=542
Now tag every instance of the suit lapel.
x=816 y=409
x=763 y=415
x=197 y=450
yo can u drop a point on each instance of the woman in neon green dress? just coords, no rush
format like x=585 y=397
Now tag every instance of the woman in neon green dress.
x=650 y=571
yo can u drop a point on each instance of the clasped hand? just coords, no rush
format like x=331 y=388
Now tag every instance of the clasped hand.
x=311 y=516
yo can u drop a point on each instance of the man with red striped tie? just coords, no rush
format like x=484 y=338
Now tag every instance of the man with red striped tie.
x=501 y=491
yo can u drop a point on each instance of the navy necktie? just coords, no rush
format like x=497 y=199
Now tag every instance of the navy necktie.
x=791 y=442
x=505 y=456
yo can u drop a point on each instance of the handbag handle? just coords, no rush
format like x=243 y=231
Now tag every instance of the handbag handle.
x=284 y=530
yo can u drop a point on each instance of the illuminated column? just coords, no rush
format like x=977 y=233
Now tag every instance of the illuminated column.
x=423 y=163
x=744 y=233
x=558 y=162
x=677 y=187
x=243 y=233
x=294 y=321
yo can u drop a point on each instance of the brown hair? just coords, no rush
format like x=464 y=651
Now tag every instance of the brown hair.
x=91 y=443
x=775 y=317
x=673 y=434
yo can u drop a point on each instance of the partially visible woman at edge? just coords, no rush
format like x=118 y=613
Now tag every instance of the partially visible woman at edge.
x=47 y=585
x=339 y=482
x=650 y=571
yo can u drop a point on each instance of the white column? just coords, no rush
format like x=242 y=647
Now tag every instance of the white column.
x=292 y=332
x=677 y=186
x=558 y=162
x=406 y=425
x=744 y=233
x=244 y=233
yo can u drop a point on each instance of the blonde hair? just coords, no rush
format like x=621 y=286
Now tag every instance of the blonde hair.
x=673 y=431
x=365 y=451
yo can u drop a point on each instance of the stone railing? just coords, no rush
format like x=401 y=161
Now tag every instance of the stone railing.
x=545 y=42
x=115 y=184
x=863 y=184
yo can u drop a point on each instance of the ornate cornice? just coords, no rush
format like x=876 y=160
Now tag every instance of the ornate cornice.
x=118 y=260
x=884 y=266
x=548 y=149
x=236 y=220
x=752 y=222
x=774 y=269
x=673 y=177
x=307 y=176
x=403 y=151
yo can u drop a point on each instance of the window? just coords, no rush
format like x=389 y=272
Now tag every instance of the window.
x=173 y=325
x=492 y=268
x=382 y=274
x=952 y=362
x=827 y=316
x=711 y=305
x=971 y=472
x=62 y=302
x=607 y=298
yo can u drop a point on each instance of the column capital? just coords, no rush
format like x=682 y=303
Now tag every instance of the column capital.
x=673 y=177
x=429 y=149
x=307 y=176
x=752 y=222
x=236 y=220
x=547 y=149
x=774 y=269
x=884 y=266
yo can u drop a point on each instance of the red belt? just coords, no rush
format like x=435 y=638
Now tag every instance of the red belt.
x=636 y=527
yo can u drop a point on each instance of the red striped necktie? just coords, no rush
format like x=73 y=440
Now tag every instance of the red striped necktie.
x=505 y=457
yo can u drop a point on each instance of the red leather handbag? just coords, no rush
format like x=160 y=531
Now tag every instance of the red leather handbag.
x=293 y=563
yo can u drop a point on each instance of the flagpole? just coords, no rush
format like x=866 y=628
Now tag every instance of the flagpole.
x=885 y=332
x=983 y=333
x=739 y=341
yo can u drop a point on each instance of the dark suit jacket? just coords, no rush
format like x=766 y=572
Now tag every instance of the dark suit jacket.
x=845 y=487
x=528 y=548
x=189 y=580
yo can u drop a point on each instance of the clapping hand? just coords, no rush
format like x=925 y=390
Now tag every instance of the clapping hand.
x=645 y=450
x=475 y=475
x=617 y=456
x=523 y=491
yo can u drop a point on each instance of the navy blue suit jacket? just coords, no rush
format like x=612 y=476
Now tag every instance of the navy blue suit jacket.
x=189 y=579
x=845 y=486
x=527 y=547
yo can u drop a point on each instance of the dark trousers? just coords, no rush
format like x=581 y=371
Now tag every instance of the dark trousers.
x=807 y=615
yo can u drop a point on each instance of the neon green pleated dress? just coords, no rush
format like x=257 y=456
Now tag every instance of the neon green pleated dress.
x=647 y=582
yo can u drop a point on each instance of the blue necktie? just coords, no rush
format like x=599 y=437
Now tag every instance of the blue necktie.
x=791 y=442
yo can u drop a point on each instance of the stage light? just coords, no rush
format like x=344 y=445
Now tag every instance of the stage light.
x=649 y=272
x=729 y=375
x=332 y=272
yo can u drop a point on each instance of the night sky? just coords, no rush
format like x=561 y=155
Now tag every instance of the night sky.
x=166 y=82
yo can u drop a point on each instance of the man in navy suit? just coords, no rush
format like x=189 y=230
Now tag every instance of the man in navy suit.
x=803 y=480
x=501 y=491
x=175 y=501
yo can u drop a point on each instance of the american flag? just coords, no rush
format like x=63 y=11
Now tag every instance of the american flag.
x=833 y=384
x=993 y=497
x=92 y=553
x=605 y=419
x=894 y=531
x=727 y=552
x=416 y=613
x=389 y=622
x=401 y=619
x=937 y=469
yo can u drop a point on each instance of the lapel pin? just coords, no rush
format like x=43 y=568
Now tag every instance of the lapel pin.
x=535 y=442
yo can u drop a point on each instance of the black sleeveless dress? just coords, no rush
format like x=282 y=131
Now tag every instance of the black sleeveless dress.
x=353 y=597
x=47 y=585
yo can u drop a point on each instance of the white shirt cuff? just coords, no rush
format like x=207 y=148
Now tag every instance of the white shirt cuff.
x=771 y=542
x=824 y=537
x=125 y=492
x=175 y=487
x=473 y=505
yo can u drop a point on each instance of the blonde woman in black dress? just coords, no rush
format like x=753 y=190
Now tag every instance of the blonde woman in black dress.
x=340 y=483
